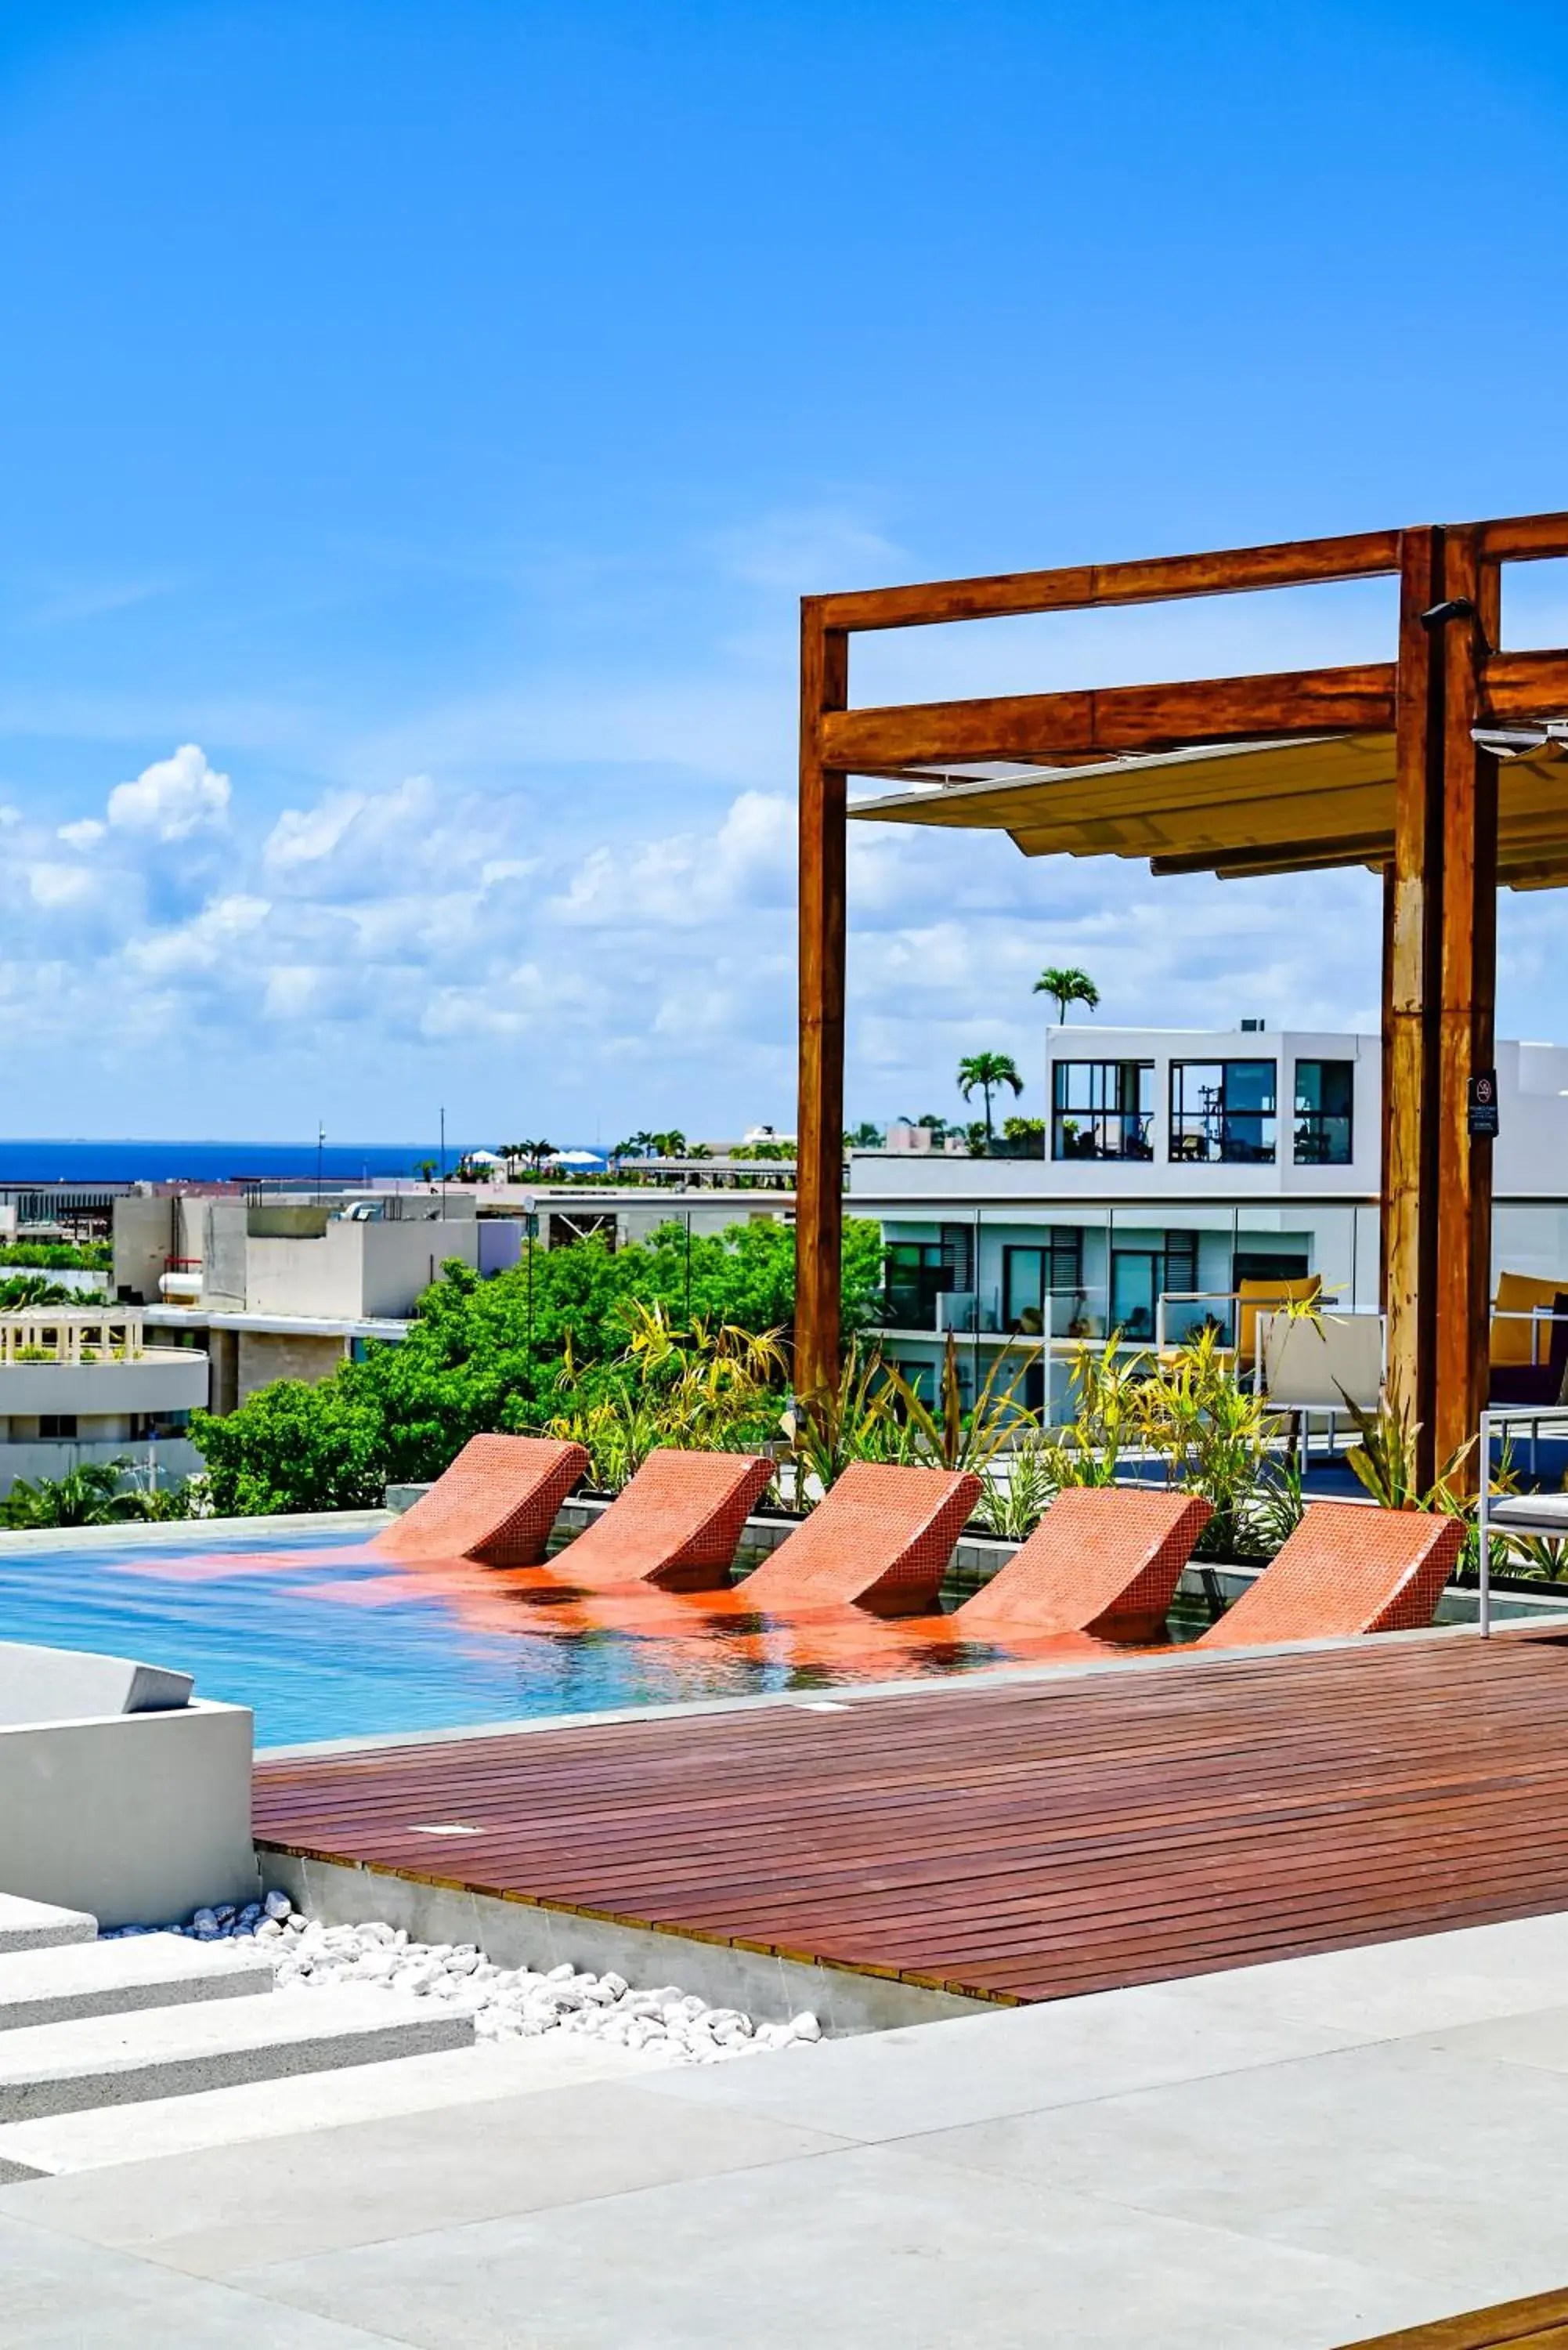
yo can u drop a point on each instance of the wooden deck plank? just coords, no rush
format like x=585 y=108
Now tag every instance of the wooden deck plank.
x=1024 y=1839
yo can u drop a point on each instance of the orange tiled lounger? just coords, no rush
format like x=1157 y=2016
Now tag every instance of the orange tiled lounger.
x=881 y=1539
x=1347 y=1569
x=677 y=1524
x=496 y=1504
x=1105 y=1559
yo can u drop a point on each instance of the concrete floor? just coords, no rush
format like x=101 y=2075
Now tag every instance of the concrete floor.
x=1291 y=2156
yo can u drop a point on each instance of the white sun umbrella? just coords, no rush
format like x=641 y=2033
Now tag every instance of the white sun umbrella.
x=575 y=1158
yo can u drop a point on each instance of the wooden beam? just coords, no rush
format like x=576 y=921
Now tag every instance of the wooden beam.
x=1520 y=538
x=1279 y=856
x=1231 y=571
x=1467 y=979
x=1516 y=686
x=1409 y=1219
x=1129 y=718
x=819 y=1171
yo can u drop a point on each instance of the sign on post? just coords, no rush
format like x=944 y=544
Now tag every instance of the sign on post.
x=1481 y=1115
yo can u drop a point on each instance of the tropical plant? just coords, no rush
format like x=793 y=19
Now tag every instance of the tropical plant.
x=988 y=1071
x=1216 y=1437
x=850 y=1418
x=1019 y=1487
x=867 y=1136
x=1067 y=987
x=953 y=1436
x=1103 y=1387
x=24 y=1292
x=58 y=1256
x=93 y=1493
x=699 y=1389
x=1386 y=1460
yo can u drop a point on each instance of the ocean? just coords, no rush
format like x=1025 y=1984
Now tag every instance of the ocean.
x=29 y=1161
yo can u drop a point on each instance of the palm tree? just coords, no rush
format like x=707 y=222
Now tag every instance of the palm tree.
x=1068 y=987
x=93 y=1493
x=988 y=1070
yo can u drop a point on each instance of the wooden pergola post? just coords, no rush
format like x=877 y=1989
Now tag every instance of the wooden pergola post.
x=1467 y=982
x=1409 y=1153
x=819 y=1146
x=1441 y=983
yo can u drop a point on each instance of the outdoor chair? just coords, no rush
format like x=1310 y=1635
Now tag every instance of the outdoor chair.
x=1539 y=1382
x=1105 y=1560
x=496 y=1504
x=879 y=1539
x=1520 y=1298
x=1348 y=1567
x=677 y=1524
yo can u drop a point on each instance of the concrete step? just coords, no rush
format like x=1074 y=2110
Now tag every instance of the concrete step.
x=86 y=1978
x=39 y=1926
x=105 y=2136
x=171 y=2052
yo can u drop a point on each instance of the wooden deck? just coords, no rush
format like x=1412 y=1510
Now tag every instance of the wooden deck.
x=1017 y=1842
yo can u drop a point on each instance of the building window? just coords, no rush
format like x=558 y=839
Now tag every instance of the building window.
x=1222 y=1112
x=1326 y=1093
x=916 y=1276
x=57 y=1423
x=1031 y=1276
x=1102 y=1110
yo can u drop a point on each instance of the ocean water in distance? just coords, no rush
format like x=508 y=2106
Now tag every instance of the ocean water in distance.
x=130 y=1161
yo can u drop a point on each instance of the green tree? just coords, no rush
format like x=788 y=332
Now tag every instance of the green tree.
x=493 y=1355
x=24 y=1291
x=296 y=1447
x=988 y=1071
x=1068 y=987
x=93 y=1493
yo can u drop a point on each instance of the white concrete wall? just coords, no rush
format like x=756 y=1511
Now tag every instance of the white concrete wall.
x=34 y=1457
x=402 y=1258
x=355 y=1270
x=138 y=1818
x=167 y=1378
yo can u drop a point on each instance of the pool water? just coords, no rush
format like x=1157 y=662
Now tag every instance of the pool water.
x=323 y=1639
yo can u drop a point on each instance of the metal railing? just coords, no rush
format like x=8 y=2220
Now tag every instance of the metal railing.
x=1496 y=1419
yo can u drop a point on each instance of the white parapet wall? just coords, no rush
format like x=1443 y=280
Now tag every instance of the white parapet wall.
x=138 y=1818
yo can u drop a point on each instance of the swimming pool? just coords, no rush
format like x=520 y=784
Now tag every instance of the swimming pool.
x=324 y=1640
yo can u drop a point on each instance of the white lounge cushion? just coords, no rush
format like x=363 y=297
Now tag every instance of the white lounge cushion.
x=39 y=1685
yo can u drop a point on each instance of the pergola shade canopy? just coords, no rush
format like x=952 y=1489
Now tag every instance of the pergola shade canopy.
x=1391 y=763
x=1233 y=809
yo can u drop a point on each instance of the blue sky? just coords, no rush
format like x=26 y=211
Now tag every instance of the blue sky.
x=419 y=422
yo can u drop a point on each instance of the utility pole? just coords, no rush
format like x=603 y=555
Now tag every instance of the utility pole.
x=320 y=1140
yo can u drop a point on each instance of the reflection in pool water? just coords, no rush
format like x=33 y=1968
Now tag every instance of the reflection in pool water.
x=325 y=1640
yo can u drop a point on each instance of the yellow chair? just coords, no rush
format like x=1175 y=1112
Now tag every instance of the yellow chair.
x=1514 y=1338
x=1264 y=1294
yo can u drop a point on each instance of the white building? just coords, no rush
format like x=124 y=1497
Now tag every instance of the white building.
x=289 y=1287
x=1174 y=1165
x=92 y=1384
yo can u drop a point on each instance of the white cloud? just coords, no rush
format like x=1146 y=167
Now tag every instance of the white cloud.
x=8 y=816
x=53 y=886
x=174 y=798
x=221 y=929
x=84 y=834
x=309 y=835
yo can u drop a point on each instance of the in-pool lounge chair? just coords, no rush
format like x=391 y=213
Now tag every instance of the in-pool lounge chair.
x=1347 y=1569
x=676 y=1525
x=496 y=1504
x=879 y=1539
x=1105 y=1559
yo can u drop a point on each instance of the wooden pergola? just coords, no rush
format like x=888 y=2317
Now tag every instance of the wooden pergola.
x=1377 y=764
